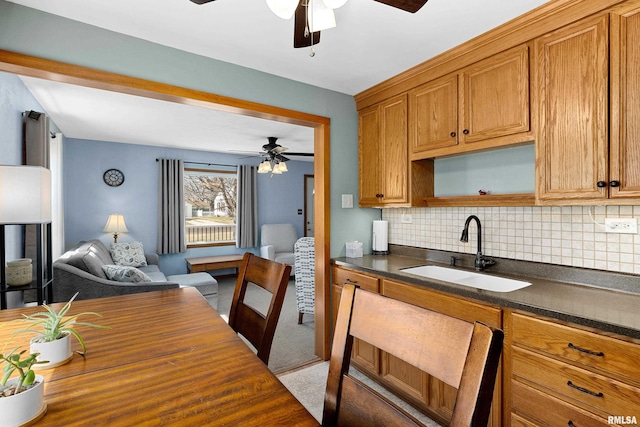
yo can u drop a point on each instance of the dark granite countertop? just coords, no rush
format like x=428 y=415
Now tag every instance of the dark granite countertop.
x=611 y=303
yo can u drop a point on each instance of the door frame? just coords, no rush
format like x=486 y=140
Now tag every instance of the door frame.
x=32 y=66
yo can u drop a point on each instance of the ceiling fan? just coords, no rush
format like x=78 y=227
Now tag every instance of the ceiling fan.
x=312 y=16
x=274 y=160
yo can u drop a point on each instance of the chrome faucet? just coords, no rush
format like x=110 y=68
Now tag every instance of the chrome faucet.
x=481 y=261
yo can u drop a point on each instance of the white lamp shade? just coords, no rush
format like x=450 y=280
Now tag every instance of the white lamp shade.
x=282 y=167
x=115 y=224
x=25 y=195
x=334 y=4
x=283 y=8
x=321 y=17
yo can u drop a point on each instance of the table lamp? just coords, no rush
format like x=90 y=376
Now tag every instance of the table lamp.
x=115 y=224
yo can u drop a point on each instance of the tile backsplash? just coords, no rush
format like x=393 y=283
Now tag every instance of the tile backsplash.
x=564 y=235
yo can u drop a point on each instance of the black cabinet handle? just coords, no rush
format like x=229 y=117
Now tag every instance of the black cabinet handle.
x=584 y=350
x=584 y=390
x=453 y=134
x=466 y=131
x=614 y=183
x=601 y=184
x=352 y=282
x=571 y=424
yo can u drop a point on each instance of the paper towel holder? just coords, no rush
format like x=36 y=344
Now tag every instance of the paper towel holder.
x=380 y=237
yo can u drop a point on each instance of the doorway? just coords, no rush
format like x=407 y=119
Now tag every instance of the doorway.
x=68 y=73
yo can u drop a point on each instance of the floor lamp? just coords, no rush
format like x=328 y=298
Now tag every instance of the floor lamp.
x=25 y=199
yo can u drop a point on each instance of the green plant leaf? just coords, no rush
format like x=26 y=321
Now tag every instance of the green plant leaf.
x=29 y=378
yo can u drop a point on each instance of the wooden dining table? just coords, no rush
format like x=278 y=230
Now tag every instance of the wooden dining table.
x=168 y=358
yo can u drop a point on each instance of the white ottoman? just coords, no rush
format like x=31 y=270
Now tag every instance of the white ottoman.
x=207 y=285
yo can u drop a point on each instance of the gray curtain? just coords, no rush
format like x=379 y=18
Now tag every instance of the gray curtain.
x=247 y=211
x=36 y=139
x=171 y=227
x=36 y=153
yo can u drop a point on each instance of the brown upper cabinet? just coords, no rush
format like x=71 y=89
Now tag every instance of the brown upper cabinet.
x=481 y=106
x=581 y=154
x=383 y=159
x=571 y=81
x=624 y=150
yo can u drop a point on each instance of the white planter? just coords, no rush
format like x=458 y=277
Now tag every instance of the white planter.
x=23 y=407
x=56 y=352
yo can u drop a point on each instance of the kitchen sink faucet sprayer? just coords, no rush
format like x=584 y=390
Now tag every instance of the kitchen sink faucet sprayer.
x=481 y=261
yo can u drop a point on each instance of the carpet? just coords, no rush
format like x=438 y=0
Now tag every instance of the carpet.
x=293 y=344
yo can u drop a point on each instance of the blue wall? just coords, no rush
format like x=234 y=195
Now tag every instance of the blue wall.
x=14 y=100
x=32 y=32
x=91 y=201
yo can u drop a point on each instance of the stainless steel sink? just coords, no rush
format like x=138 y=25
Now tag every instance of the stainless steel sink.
x=468 y=278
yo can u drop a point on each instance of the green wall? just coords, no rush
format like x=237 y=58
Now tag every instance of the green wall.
x=36 y=33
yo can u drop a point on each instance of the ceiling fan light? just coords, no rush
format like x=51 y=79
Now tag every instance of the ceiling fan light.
x=264 y=167
x=334 y=4
x=321 y=17
x=282 y=167
x=283 y=8
x=276 y=169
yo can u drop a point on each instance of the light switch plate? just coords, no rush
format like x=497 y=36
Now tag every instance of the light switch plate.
x=347 y=201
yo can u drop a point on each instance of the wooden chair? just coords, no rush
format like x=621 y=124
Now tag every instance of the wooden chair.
x=462 y=354
x=257 y=328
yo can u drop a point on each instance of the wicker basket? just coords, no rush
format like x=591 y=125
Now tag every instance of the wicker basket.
x=19 y=272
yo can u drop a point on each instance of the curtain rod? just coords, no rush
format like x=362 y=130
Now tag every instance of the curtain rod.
x=207 y=164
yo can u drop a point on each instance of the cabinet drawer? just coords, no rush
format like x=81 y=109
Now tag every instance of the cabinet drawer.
x=589 y=349
x=342 y=276
x=442 y=303
x=518 y=421
x=547 y=410
x=581 y=387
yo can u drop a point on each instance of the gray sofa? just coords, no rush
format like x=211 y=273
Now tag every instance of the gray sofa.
x=80 y=270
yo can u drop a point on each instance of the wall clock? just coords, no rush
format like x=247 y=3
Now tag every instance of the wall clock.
x=113 y=177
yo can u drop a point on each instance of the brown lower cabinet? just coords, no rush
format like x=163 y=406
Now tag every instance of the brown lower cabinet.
x=566 y=375
x=430 y=395
x=552 y=373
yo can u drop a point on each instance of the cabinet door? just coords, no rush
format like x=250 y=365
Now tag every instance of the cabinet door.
x=572 y=83
x=364 y=355
x=394 y=151
x=495 y=96
x=437 y=397
x=434 y=114
x=625 y=103
x=368 y=156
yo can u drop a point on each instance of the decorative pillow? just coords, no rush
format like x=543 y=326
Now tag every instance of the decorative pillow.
x=124 y=273
x=130 y=253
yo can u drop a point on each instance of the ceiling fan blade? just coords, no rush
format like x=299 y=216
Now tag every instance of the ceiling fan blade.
x=202 y=1
x=407 y=5
x=300 y=27
x=299 y=154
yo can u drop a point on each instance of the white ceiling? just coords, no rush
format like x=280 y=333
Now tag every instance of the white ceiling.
x=371 y=43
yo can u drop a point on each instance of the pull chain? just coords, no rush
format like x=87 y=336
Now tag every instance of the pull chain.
x=307 y=32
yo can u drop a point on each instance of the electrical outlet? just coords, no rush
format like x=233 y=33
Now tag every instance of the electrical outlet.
x=621 y=225
x=406 y=219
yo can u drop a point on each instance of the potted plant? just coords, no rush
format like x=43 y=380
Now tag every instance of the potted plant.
x=53 y=341
x=21 y=397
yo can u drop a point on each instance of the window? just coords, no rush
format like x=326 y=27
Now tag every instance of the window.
x=210 y=199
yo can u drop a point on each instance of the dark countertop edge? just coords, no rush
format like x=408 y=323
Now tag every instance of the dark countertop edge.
x=480 y=295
